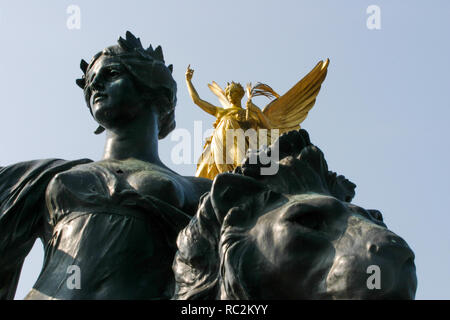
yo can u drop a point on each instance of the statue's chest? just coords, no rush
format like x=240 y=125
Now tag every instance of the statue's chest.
x=99 y=182
x=157 y=184
x=148 y=179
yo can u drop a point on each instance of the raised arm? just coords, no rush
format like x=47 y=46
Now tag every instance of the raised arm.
x=261 y=117
x=206 y=106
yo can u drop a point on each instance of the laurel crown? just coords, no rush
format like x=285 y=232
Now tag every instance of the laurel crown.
x=130 y=45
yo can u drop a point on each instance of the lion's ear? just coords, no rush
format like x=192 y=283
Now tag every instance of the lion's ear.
x=232 y=190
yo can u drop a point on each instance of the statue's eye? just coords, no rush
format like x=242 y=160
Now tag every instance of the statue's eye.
x=376 y=215
x=371 y=214
x=306 y=216
x=114 y=73
x=111 y=73
x=311 y=220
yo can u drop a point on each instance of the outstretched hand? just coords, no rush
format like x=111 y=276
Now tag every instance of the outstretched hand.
x=189 y=73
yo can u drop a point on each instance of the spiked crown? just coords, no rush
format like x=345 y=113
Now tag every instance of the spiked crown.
x=147 y=66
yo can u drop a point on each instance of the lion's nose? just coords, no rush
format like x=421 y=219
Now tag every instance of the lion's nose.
x=391 y=246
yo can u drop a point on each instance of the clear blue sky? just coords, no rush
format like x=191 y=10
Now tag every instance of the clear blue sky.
x=382 y=117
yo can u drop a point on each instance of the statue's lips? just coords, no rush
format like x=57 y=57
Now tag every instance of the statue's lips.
x=99 y=97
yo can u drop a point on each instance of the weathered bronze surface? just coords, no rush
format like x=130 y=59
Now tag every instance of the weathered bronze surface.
x=290 y=235
x=115 y=219
x=293 y=235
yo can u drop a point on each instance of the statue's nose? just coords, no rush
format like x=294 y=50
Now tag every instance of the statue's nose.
x=97 y=83
x=391 y=246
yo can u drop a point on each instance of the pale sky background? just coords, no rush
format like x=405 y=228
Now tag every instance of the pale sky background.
x=381 y=118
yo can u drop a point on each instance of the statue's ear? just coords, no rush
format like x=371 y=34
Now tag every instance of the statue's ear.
x=232 y=190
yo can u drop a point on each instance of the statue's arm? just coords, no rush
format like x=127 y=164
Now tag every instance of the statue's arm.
x=13 y=251
x=20 y=224
x=265 y=122
x=204 y=105
x=22 y=214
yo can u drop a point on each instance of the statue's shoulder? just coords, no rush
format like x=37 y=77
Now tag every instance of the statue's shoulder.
x=40 y=165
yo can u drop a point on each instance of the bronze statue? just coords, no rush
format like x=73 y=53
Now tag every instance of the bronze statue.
x=293 y=235
x=227 y=147
x=121 y=220
x=115 y=219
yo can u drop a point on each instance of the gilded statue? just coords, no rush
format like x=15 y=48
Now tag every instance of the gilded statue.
x=235 y=126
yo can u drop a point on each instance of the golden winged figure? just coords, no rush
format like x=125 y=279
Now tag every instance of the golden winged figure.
x=284 y=113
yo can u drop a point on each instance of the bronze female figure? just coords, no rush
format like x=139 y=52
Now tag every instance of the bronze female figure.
x=115 y=220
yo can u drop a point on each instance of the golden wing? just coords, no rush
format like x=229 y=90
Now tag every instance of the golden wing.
x=218 y=91
x=289 y=110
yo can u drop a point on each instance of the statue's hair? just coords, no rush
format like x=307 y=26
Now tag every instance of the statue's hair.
x=234 y=86
x=149 y=72
x=208 y=264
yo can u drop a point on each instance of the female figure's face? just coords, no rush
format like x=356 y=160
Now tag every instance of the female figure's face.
x=235 y=96
x=114 y=97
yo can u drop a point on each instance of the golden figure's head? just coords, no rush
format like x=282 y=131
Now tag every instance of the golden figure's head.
x=234 y=92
